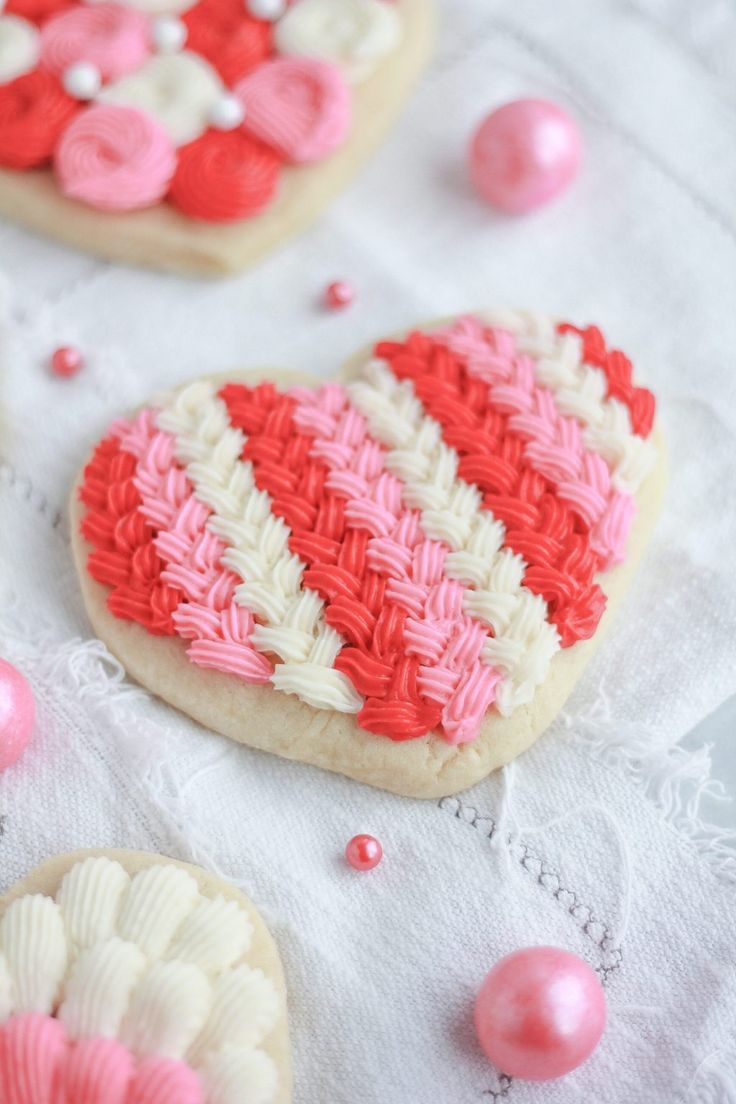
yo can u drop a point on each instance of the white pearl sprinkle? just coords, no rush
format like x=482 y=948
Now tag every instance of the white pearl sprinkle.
x=168 y=34
x=82 y=80
x=266 y=9
x=227 y=113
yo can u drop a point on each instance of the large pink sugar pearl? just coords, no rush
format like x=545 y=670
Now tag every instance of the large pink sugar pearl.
x=523 y=154
x=540 y=1012
x=17 y=714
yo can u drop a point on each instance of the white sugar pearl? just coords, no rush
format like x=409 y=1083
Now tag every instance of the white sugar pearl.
x=82 y=80
x=168 y=34
x=266 y=9
x=227 y=113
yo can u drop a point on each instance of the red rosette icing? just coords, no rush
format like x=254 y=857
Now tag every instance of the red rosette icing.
x=37 y=11
x=223 y=176
x=34 y=111
x=229 y=38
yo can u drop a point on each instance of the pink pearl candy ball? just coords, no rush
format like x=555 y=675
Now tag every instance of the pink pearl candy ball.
x=339 y=294
x=540 y=1012
x=17 y=714
x=524 y=154
x=66 y=361
x=363 y=852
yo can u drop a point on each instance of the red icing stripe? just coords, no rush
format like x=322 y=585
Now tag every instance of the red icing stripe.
x=229 y=38
x=124 y=556
x=618 y=370
x=356 y=604
x=540 y=527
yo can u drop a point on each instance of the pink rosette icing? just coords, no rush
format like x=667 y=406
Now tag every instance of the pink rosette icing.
x=299 y=106
x=114 y=39
x=115 y=158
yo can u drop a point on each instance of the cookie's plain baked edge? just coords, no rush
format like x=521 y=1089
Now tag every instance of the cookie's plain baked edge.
x=280 y=723
x=162 y=238
x=262 y=954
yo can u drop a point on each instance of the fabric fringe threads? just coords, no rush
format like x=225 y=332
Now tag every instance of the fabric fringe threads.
x=412 y=547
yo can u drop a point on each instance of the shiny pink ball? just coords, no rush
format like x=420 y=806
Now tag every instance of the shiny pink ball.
x=540 y=1012
x=524 y=154
x=66 y=361
x=17 y=714
x=363 y=852
x=339 y=294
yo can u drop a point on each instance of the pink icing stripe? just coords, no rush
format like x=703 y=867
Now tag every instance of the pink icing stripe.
x=446 y=640
x=554 y=445
x=115 y=158
x=219 y=629
x=40 y=1065
x=113 y=38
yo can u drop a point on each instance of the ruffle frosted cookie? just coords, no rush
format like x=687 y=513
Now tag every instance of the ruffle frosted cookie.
x=126 y=978
x=218 y=127
x=399 y=576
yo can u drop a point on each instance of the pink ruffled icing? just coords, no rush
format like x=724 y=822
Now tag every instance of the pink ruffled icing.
x=299 y=106
x=113 y=38
x=115 y=158
x=40 y=1065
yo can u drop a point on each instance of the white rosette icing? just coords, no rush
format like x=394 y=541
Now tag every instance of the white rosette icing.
x=179 y=90
x=19 y=47
x=148 y=961
x=353 y=34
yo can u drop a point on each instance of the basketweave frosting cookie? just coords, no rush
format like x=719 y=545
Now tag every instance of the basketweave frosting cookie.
x=399 y=576
x=126 y=978
x=194 y=134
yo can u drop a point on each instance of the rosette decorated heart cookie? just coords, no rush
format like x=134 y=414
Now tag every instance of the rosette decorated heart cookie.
x=399 y=576
x=215 y=127
x=127 y=978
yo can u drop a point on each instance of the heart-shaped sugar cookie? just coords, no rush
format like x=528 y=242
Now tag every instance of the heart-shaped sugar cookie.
x=399 y=577
x=195 y=136
x=127 y=978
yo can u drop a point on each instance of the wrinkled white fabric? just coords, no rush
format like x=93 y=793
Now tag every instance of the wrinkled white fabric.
x=597 y=845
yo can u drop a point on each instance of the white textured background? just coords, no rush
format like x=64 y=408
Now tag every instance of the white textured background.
x=596 y=839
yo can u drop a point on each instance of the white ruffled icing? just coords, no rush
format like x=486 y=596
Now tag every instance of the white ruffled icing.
x=33 y=941
x=580 y=392
x=155 y=964
x=524 y=641
x=234 y=1077
x=245 y=1008
x=214 y=936
x=167 y=1011
x=295 y=628
x=354 y=34
x=179 y=90
x=98 y=987
x=158 y=901
x=90 y=898
x=19 y=47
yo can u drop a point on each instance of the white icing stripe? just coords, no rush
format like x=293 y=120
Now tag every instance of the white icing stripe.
x=294 y=625
x=580 y=392
x=165 y=975
x=356 y=35
x=452 y=511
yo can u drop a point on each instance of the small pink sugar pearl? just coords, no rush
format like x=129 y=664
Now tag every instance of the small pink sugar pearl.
x=524 y=154
x=66 y=361
x=17 y=714
x=363 y=852
x=339 y=294
x=540 y=1013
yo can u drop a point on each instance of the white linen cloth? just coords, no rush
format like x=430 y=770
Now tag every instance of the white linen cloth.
x=594 y=840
